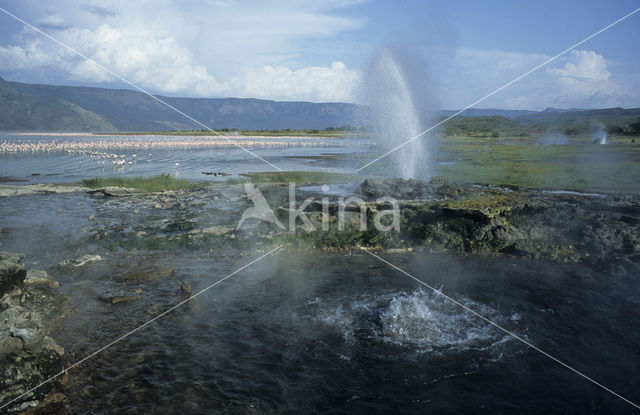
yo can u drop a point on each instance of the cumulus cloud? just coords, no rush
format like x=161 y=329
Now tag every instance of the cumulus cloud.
x=585 y=79
x=154 y=60
x=580 y=79
x=474 y=73
x=315 y=83
x=585 y=65
x=279 y=50
x=220 y=48
x=24 y=57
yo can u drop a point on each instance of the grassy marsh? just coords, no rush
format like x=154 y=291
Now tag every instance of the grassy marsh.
x=142 y=184
x=588 y=167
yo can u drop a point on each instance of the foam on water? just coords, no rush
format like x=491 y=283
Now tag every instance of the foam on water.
x=419 y=320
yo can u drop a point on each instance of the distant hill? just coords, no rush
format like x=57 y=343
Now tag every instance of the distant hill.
x=607 y=115
x=46 y=107
x=33 y=107
x=19 y=111
x=486 y=112
x=485 y=126
x=616 y=121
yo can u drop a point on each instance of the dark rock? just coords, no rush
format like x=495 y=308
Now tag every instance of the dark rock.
x=9 y=344
x=442 y=188
x=27 y=355
x=186 y=289
x=437 y=188
x=112 y=191
x=12 y=257
x=40 y=278
x=539 y=225
x=80 y=262
x=372 y=189
x=52 y=404
x=120 y=296
x=22 y=372
x=12 y=275
x=179 y=226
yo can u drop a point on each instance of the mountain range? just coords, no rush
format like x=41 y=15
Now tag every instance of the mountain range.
x=35 y=107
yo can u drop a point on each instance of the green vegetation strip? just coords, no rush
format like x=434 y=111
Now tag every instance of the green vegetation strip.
x=142 y=184
x=299 y=177
x=585 y=167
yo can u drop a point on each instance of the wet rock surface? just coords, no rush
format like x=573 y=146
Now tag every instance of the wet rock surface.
x=435 y=215
x=120 y=296
x=40 y=188
x=561 y=226
x=39 y=278
x=112 y=191
x=29 y=306
x=437 y=188
x=81 y=261
x=117 y=257
x=12 y=273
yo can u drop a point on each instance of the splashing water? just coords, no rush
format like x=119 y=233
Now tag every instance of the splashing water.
x=395 y=117
x=418 y=320
x=603 y=140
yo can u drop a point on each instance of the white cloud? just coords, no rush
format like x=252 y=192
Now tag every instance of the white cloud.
x=474 y=73
x=315 y=83
x=153 y=60
x=585 y=65
x=24 y=57
x=580 y=79
x=219 y=48
x=585 y=81
x=277 y=50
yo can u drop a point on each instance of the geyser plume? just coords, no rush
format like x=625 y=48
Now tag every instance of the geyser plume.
x=600 y=134
x=395 y=111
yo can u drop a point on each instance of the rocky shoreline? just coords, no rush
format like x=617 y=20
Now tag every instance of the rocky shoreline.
x=39 y=189
x=598 y=230
x=436 y=216
x=30 y=305
x=602 y=230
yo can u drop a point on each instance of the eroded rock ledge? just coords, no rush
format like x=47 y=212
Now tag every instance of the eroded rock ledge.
x=437 y=215
x=39 y=189
x=29 y=306
x=561 y=226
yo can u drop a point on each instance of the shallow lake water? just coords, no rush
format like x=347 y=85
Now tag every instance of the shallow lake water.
x=184 y=161
x=309 y=332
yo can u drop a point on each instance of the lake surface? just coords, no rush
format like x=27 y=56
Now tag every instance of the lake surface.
x=313 y=332
x=185 y=157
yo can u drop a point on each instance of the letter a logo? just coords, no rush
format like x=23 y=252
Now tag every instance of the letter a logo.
x=260 y=209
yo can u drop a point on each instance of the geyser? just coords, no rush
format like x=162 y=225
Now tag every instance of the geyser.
x=395 y=116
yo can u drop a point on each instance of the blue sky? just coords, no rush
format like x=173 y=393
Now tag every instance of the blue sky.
x=320 y=50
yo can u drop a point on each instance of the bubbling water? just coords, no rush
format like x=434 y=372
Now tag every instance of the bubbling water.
x=418 y=320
